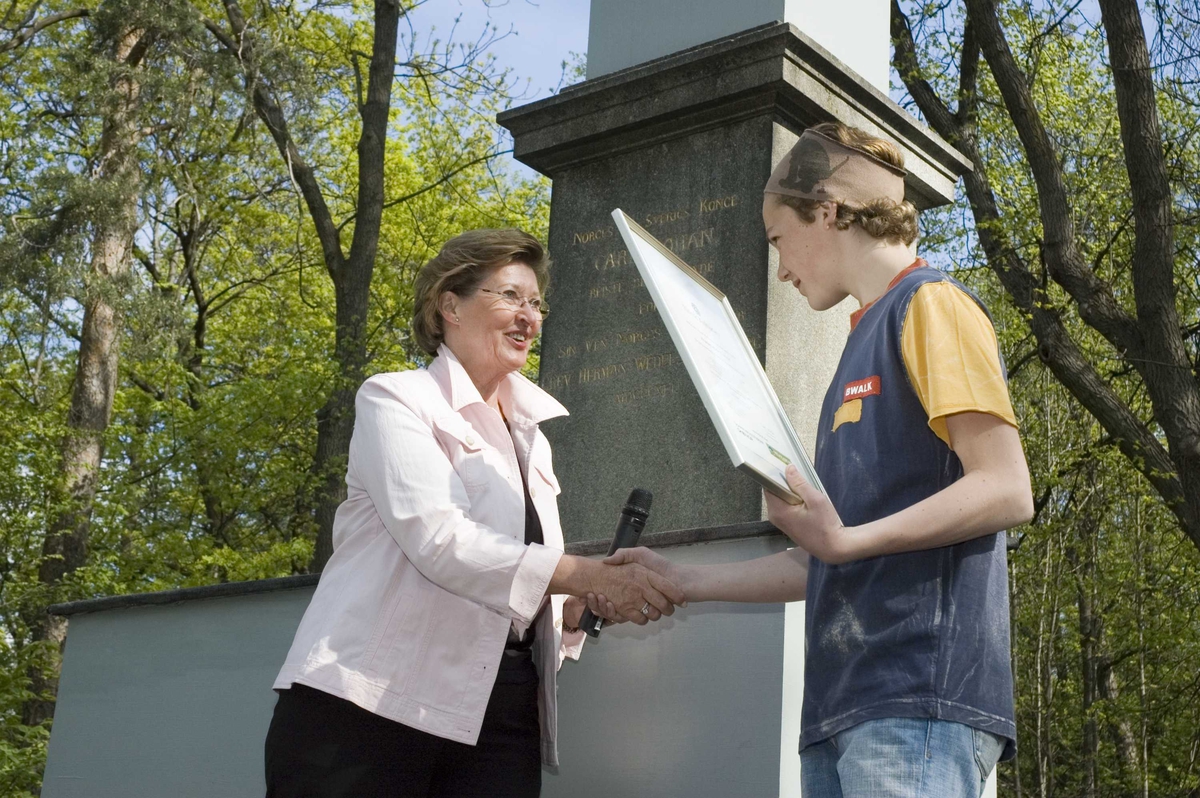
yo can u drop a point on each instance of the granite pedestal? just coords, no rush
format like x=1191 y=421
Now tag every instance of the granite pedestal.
x=684 y=144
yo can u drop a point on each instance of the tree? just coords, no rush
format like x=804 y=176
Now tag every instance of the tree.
x=350 y=272
x=119 y=44
x=226 y=326
x=1118 y=273
x=1104 y=588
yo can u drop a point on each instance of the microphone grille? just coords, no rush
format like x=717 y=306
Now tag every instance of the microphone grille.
x=639 y=500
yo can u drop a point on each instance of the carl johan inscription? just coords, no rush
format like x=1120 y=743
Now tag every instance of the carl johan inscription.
x=615 y=280
x=644 y=327
x=635 y=418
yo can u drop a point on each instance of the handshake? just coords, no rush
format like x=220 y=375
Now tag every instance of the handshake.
x=634 y=584
x=639 y=585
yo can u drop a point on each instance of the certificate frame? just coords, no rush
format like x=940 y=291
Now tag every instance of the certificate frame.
x=745 y=449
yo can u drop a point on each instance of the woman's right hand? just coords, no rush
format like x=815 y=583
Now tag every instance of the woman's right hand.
x=632 y=587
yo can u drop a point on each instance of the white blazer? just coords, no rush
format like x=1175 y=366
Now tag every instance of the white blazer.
x=429 y=567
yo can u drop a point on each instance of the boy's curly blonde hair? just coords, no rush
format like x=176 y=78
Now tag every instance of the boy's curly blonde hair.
x=896 y=222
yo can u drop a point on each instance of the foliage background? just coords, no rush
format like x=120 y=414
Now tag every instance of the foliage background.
x=227 y=329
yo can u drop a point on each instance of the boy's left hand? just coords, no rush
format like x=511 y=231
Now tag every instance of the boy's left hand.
x=814 y=525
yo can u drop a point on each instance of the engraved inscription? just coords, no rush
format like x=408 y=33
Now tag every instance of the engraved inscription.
x=688 y=241
x=599 y=234
x=598 y=373
x=639 y=336
x=557 y=382
x=606 y=291
x=623 y=370
x=719 y=203
x=654 y=219
x=652 y=362
x=617 y=259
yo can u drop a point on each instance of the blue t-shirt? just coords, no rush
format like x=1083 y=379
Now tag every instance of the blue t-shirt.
x=921 y=634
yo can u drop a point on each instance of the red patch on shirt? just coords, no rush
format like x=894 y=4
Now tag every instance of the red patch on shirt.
x=860 y=388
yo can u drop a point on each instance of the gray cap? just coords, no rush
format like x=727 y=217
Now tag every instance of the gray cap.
x=819 y=168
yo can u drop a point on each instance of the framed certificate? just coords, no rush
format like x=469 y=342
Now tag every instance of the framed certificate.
x=757 y=434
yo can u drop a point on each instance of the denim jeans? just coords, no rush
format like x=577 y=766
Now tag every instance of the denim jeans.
x=900 y=758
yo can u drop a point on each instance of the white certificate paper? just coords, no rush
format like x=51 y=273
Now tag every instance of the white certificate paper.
x=740 y=401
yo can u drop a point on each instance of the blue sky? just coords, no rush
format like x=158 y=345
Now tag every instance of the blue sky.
x=544 y=33
x=536 y=36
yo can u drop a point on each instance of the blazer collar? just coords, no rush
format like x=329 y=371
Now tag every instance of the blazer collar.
x=525 y=404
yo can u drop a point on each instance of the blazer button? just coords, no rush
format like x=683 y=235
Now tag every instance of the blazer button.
x=470 y=441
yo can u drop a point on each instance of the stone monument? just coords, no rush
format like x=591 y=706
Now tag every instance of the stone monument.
x=687 y=106
x=684 y=144
x=679 y=123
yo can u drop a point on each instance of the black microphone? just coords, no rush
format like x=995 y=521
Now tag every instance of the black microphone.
x=629 y=529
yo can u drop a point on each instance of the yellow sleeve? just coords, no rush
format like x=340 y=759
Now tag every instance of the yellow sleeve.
x=953 y=361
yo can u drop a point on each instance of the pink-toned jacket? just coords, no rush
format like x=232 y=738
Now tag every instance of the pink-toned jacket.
x=429 y=567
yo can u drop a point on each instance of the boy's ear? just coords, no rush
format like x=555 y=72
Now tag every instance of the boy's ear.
x=829 y=214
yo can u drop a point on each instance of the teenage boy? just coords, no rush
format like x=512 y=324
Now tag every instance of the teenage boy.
x=908 y=688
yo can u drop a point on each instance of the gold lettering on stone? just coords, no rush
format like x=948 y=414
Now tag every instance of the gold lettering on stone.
x=639 y=336
x=617 y=259
x=599 y=234
x=705 y=269
x=646 y=307
x=719 y=203
x=652 y=362
x=606 y=291
x=597 y=373
x=596 y=344
x=652 y=219
x=567 y=351
x=689 y=241
x=557 y=382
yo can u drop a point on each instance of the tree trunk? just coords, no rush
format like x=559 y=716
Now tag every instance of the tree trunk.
x=353 y=283
x=65 y=547
x=351 y=275
x=1151 y=342
x=335 y=421
x=1090 y=631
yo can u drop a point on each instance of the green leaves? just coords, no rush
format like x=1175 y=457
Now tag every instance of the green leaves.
x=1104 y=585
x=227 y=317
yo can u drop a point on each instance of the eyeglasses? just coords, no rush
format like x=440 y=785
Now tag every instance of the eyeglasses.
x=513 y=301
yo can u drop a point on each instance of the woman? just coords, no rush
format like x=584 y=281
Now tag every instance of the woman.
x=425 y=664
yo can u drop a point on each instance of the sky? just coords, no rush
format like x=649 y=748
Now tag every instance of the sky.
x=544 y=33
x=535 y=37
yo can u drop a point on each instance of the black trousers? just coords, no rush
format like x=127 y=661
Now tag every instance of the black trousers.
x=322 y=746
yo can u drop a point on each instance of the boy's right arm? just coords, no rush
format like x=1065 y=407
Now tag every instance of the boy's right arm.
x=780 y=577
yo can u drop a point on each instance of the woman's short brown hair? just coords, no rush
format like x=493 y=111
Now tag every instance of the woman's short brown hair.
x=883 y=218
x=463 y=263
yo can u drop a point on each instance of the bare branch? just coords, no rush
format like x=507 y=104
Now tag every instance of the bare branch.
x=24 y=35
x=269 y=111
x=1055 y=347
x=1097 y=305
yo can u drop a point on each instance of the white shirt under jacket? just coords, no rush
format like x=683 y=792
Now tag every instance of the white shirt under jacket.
x=430 y=569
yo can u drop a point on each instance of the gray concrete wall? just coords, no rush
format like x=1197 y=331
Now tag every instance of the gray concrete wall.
x=174 y=701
